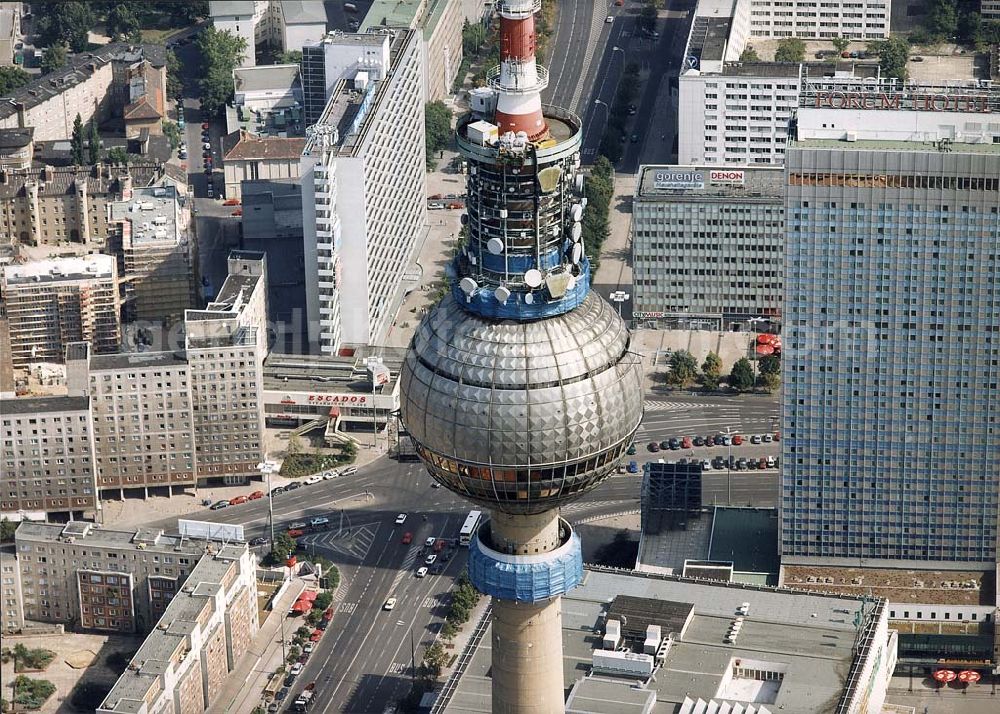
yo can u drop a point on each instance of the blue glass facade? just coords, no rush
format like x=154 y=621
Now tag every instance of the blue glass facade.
x=892 y=344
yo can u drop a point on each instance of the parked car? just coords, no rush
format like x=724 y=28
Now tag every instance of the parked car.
x=633 y=467
x=737 y=440
x=674 y=444
x=260 y=540
x=308 y=647
x=316 y=635
x=297 y=525
x=390 y=603
x=206 y=145
x=709 y=441
x=255 y=496
x=752 y=464
x=237 y=501
x=295 y=669
x=421 y=571
x=767 y=438
x=430 y=541
x=698 y=441
x=632 y=109
x=219 y=505
x=706 y=465
x=653 y=446
x=741 y=464
x=277 y=490
x=686 y=442
x=289 y=681
x=204 y=125
x=916 y=59
x=231 y=202
x=631 y=450
x=315 y=478
x=400 y=519
x=327 y=475
x=762 y=462
x=609 y=19
x=295 y=533
x=182 y=154
x=349 y=470
x=755 y=439
x=771 y=461
x=429 y=560
x=777 y=436
x=719 y=440
x=293 y=485
x=719 y=462
x=407 y=538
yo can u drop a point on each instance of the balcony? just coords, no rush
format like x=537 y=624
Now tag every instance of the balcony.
x=540 y=83
x=518 y=9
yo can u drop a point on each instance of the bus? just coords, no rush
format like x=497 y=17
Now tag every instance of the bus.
x=470 y=527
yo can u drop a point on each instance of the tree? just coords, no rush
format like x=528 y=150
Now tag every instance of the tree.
x=175 y=87
x=76 y=141
x=118 y=155
x=12 y=78
x=122 y=24
x=294 y=445
x=437 y=129
x=291 y=57
x=970 y=28
x=683 y=368
x=473 y=38
x=221 y=52
x=7 y=530
x=54 y=58
x=741 y=378
x=598 y=188
x=892 y=55
x=449 y=630
x=770 y=369
x=187 y=12
x=941 y=20
x=282 y=548
x=173 y=134
x=749 y=54
x=93 y=144
x=790 y=49
x=435 y=659
x=323 y=600
x=711 y=371
x=841 y=43
x=64 y=23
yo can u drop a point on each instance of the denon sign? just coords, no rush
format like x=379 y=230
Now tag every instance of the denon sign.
x=909 y=102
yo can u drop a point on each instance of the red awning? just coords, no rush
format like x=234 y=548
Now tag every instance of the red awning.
x=969 y=676
x=945 y=675
x=301 y=606
x=308 y=595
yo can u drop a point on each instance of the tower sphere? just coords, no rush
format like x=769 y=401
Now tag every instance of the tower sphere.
x=521 y=416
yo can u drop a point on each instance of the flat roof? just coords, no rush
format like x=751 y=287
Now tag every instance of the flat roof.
x=760 y=183
x=98 y=537
x=391 y=13
x=60 y=270
x=264 y=77
x=809 y=637
x=42 y=405
x=303 y=12
x=748 y=538
x=152 y=213
x=330 y=374
x=868 y=145
x=899 y=586
x=136 y=360
x=16 y=138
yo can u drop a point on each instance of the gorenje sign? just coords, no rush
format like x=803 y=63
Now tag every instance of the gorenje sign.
x=682 y=180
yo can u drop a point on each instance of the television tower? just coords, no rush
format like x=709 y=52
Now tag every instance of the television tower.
x=519 y=389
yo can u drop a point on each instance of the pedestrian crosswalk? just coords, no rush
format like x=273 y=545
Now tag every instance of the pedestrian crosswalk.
x=660 y=406
x=355 y=541
x=406 y=567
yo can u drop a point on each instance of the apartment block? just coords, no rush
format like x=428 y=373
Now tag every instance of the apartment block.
x=150 y=234
x=707 y=244
x=890 y=378
x=140 y=406
x=735 y=112
x=51 y=303
x=826 y=19
x=198 y=641
x=17 y=147
x=286 y=24
x=10 y=32
x=226 y=344
x=48 y=456
x=94 y=84
x=363 y=180
x=49 y=205
x=989 y=9
x=11 y=598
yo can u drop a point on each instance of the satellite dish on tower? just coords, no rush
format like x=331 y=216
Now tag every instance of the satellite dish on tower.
x=576 y=231
x=494 y=246
x=577 y=252
x=576 y=212
x=465 y=219
x=533 y=278
x=529 y=299
x=502 y=294
x=468 y=285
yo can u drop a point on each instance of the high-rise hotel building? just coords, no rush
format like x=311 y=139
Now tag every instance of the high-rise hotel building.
x=891 y=401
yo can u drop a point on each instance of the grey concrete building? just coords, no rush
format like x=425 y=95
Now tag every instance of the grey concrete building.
x=11 y=599
x=707 y=244
x=891 y=343
x=100 y=579
x=48 y=458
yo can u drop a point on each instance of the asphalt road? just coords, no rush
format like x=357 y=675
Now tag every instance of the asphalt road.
x=575 y=43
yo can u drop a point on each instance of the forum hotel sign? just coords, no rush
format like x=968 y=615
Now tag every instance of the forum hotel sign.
x=970 y=98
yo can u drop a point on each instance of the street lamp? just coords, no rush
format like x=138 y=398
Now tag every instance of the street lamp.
x=729 y=466
x=266 y=468
x=619 y=296
x=379 y=377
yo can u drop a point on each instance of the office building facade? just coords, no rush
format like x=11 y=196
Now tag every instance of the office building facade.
x=48 y=457
x=854 y=19
x=707 y=244
x=363 y=180
x=50 y=303
x=890 y=396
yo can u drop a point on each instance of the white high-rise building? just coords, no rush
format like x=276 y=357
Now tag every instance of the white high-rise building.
x=856 y=19
x=363 y=184
x=287 y=24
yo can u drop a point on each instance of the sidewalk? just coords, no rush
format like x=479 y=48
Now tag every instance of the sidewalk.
x=244 y=685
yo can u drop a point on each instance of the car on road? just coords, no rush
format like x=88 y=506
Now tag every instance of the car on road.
x=349 y=470
x=219 y=505
x=429 y=542
x=755 y=439
x=255 y=496
x=206 y=145
x=653 y=446
x=633 y=467
x=206 y=154
x=429 y=560
x=766 y=438
x=204 y=125
x=407 y=538
x=182 y=154
x=319 y=521
x=295 y=669
x=435 y=484
x=632 y=109
x=297 y=525
x=610 y=19
x=327 y=475
x=293 y=485
x=315 y=478
x=390 y=603
x=316 y=635
x=434 y=206
x=686 y=442
x=295 y=533
x=709 y=441
x=440 y=545
x=277 y=490
x=289 y=680
x=634 y=139
x=400 y=519
x=421 y=571
x=259 y=540
x=237 y=501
